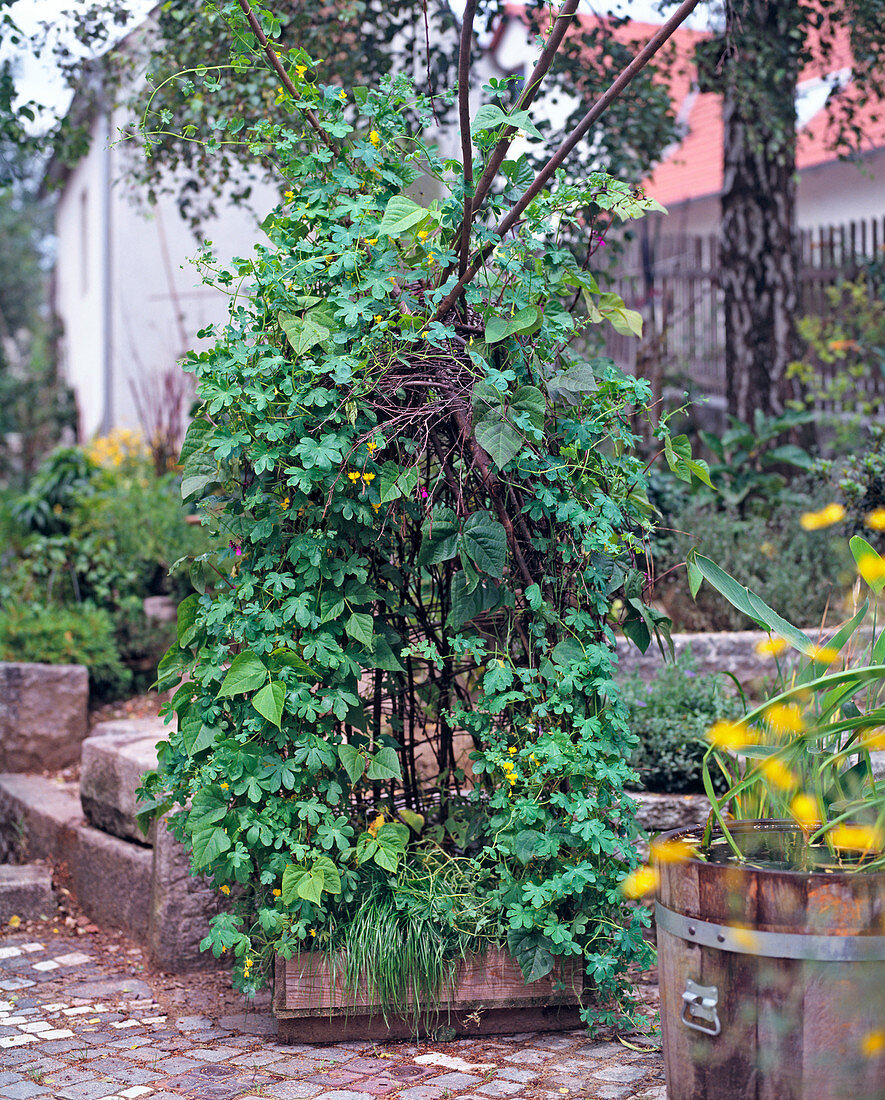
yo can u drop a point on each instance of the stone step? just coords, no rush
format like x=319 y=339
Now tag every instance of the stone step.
x=43 y=715
x=114 y=759
x=25 y=892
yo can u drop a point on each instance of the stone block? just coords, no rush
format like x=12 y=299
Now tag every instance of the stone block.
x=37 y=817
x=657 y=813
x=114 y=759
x=43 y=715
x=181 y=907
x=734 y=652
x=26 y=892
x=111 y=879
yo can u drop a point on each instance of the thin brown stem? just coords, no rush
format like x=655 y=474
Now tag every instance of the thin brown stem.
x=542 y=66
x=547 y=172
x=279 y=69
x=464 y=122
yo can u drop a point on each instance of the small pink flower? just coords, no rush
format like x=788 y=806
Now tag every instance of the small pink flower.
x=424 y=494
x=237 y=549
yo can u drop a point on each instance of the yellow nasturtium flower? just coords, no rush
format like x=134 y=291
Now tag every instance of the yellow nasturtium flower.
x=857 y=838
x=778 y=774
x=730 y=735
x=785 y=718
x=826 y=517
x=804 y=809
x=642 y=881
x=672 y=851
x=771 y=647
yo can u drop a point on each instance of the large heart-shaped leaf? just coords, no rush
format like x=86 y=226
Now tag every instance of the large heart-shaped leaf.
x=400 y=215
x=499 y=328
x=385 y=765
x=246 y=673
x=360 y=626
x=484 y=541
x=269 y=702
x=531 y=949
x=439 y=537
x=208 y=845
x=200 y=471
x=501 y=440
x=353 y=762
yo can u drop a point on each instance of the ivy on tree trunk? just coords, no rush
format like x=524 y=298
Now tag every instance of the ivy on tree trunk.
x=759 y=263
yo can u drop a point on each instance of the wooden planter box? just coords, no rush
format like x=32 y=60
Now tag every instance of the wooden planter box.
x=489 y=998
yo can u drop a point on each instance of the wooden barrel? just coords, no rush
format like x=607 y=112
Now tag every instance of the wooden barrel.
x=772 y=981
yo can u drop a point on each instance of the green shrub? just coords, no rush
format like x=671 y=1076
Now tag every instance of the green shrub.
x=81 y=635
x=670 y=715
x=774 y=556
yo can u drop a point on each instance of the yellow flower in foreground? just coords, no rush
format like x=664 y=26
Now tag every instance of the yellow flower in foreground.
x=378 y=317
x=313 y=931
x=225 y=889
x=874 y=740
x=876 y=519
x=804 y=809
x=371 y=240
x=871 y=567
x=771 y=647
x=423 y=235
x=873 y=1044
x=300 y=70
x=785 y=718
x=778 y=774
x=368 y=477
x=375 y=137
x=826 y=517
x=857 y=838
x=342 y=95
x=278 y=893
x=288 y=195
x=642 y=881
x=729 y=735
x=354 y=476
x=823 y=654
x=284 y=503
x=671 y=851
x=370 y=446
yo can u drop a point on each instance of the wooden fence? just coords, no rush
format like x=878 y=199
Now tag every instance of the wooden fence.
x=673 y=280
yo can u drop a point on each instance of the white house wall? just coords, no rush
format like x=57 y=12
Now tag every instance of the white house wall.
x=158 y=302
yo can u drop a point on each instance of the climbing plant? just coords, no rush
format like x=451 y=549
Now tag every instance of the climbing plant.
x=396 y=706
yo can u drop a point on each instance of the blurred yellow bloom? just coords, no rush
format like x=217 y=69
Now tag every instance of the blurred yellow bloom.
x=785 y=718
x=371 y=240
x=512 y=750
x=671 y=851
x=858 y=838
x=422 y=235
x=743 y=937
x=778 y=774
x=313 y=931
x=378 y=318
x=376 y=507
x=871 y=567
x=876 y=519
x=771 y=647
x=15 y=921
x=278 y=893
x=824 y=654
x=642 y=881
x=342 y=95
x=431 y=259
x=826 y=517
x=804 y=809
x=284 y=503
x=873 y=1043
x=288 y=195
x=874 y=740
x=375 y=137
x=225 y=889
x=730 y=735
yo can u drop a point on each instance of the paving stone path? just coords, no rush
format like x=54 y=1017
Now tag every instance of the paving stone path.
x=74 y=1026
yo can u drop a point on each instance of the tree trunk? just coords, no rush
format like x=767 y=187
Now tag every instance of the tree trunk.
x=759 y=269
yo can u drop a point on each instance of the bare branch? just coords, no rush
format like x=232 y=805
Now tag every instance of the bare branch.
x=546 y=173
x=464 y=121
x=312 y=119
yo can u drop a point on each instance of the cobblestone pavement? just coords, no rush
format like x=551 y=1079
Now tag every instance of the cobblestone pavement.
x=77 y=1024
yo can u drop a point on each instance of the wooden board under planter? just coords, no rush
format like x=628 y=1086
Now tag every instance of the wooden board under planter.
x=489 y=997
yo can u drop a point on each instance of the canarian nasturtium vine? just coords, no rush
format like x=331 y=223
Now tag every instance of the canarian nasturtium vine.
x=397 y=680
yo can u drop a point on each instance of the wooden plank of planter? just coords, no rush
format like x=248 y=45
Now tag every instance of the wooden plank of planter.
x=489 y=997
